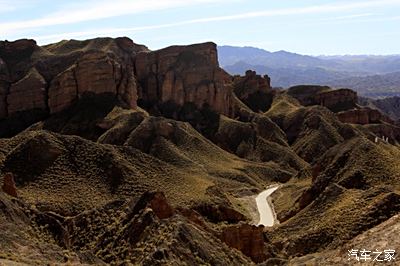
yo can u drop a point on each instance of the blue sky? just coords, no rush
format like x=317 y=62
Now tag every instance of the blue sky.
x=302 y=26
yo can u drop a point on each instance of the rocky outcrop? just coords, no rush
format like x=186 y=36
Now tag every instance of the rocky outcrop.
x=160 y=205
x=337 y=100
x=53 y=77
x=17 y=56
x=3 y=102
x=305 y=94
x=249 y=239
x=363 y=116
x=63 y=91
x=9 y=185
x=97 y=73
x=251 y=83
x=155 y=201
x=254 y=90
x=184 y=74
x=28 y=93
x=3 y=88
x=93 y=73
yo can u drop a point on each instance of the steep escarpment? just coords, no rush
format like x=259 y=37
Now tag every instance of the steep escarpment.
x=93 y=73
x=335 y=100
x=38 y=81
x=180 y=82
x=3 y=89
x=363 y=116
x=184 y=74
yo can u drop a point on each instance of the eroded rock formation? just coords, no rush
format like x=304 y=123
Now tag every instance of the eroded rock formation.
x=3 y=88
x=9 y=185
x=363 y=116
x=157 y=202
x=28 y=93
x=53 y=77
x=249 y=239
x=94 y=73
x=335 y=100
x=254 y=90
x=183 y=74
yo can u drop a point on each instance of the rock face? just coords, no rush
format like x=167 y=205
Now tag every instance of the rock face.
x=17 y=56
x=155 y=201
x=305 y=94
x=184 y=74
x=249 y=239
x=63 y=91
x=9 y=185
x=337 y=100
x=254 y=90
x=93 y=73
x=28 y=93
x=3 y=88
x=363 y=116
x=53 y=77
x=160 y=206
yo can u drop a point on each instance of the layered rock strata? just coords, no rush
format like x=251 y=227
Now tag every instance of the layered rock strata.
x=363 y=116
x=184 y=74
x=53 y=77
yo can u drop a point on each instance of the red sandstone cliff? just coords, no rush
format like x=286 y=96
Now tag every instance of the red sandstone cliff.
x=51 y=78
x=363 y=116
x=335 y=100
x=184 y=74
x=249 y=239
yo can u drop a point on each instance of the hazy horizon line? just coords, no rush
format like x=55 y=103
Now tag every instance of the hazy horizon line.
x=219 y=45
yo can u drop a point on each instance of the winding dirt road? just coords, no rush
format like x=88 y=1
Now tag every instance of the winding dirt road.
x=267 y=214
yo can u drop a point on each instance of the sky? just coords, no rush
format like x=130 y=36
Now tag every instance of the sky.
x=323 y=27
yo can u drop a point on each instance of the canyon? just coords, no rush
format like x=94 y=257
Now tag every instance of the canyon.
x=111 y=153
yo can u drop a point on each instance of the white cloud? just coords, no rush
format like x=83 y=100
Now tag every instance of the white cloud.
x=318 y=9
x=106 y=9
x=8 y=6
x=94 y=10
x=332 y=8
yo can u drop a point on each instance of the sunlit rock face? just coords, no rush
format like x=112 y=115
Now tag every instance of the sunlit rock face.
x=184 y=74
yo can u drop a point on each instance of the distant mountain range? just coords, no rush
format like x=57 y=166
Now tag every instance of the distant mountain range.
x=373 y=76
